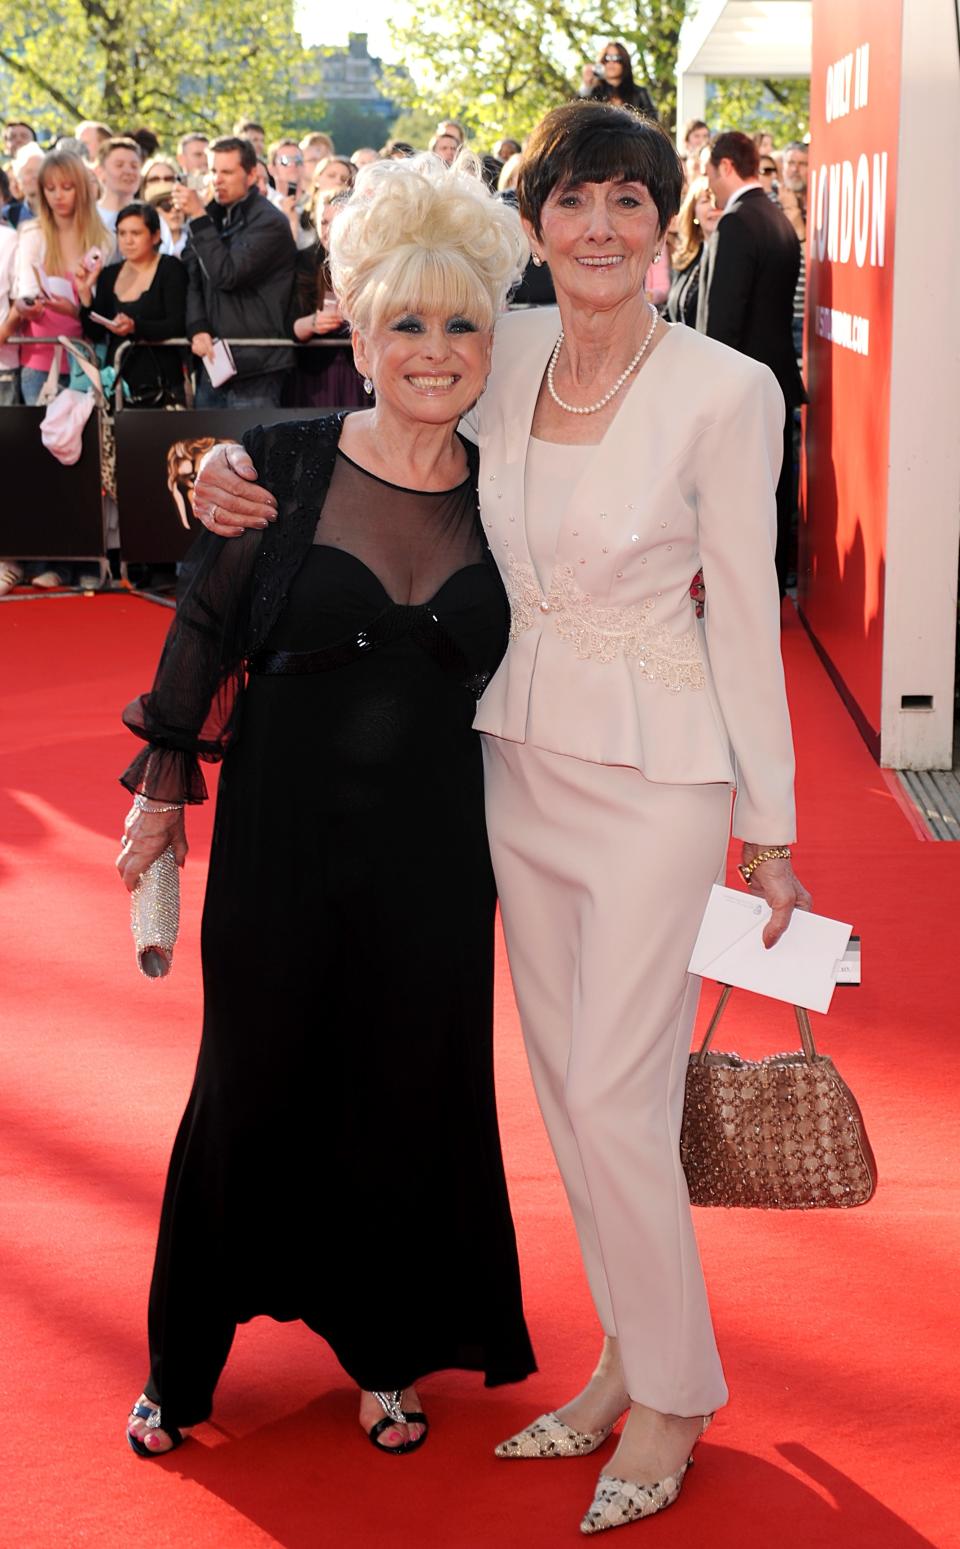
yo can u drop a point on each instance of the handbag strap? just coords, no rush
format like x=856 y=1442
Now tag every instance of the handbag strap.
x=89 y=370
x=803 y=1023
x=53 y=375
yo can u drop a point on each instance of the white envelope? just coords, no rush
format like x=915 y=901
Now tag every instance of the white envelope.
x=53 y=285
x=801 y=968
x=220 y=366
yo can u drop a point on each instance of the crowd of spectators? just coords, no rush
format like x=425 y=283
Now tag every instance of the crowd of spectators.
x=118 y=240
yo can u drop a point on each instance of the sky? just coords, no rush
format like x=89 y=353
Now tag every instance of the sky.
x=323 y=22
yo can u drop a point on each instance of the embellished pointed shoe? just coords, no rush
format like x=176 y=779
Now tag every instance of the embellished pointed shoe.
x=549 y=1437
x=617 y=1502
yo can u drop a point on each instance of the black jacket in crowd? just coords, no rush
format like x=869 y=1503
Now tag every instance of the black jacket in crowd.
x=639 y=98
x=240 y=262
x=748 y=277
x=151 y=374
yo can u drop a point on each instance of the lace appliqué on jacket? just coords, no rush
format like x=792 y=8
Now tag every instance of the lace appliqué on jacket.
x=603 y=634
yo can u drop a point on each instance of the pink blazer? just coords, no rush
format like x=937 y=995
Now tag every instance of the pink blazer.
x=610 y=663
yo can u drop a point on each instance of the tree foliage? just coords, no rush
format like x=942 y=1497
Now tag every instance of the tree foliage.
x=172 y=64
x=498 y=70
x=751 y=104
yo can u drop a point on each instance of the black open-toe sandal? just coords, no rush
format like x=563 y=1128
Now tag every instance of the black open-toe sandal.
x=394 y=1415
x=145 y=1409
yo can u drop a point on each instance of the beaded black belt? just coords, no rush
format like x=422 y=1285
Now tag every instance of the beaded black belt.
x=417 y=623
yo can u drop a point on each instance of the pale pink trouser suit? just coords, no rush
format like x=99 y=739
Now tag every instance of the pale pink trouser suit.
x=613 y=733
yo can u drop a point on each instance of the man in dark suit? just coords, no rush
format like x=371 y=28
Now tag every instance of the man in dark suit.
x=746 y=295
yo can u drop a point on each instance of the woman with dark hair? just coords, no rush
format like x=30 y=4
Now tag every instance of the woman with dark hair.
x=143 y=297
x=618 y=457
x=611 y=80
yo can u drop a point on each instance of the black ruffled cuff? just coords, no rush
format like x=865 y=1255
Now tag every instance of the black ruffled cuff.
x=166 y=775
x=162 y=771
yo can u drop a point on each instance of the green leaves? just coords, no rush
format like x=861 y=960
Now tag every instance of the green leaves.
x=175 y=64
x=498 y=70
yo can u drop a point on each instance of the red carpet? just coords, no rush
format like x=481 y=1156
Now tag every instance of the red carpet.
x=839 y=1332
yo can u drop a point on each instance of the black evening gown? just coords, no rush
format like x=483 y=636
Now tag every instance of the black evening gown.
x=339 y=1158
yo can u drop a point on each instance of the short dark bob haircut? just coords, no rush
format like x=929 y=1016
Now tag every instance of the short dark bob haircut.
x=143 y=212
x=593 y=142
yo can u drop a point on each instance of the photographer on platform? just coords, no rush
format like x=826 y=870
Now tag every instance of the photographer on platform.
x=240 y=263
x=611 y=80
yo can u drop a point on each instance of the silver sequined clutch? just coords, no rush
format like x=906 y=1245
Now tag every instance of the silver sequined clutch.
x=155 y=915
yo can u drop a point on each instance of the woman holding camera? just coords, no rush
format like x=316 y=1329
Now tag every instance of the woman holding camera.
x=142 y=297
x=611 y=80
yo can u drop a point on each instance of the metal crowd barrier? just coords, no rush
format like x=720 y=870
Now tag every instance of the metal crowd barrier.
x=53 y=512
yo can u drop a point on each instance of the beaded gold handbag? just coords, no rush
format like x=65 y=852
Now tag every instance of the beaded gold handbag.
x=781 y=1133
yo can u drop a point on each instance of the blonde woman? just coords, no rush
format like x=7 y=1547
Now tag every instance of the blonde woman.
x=509 y=172
x=696 y=223
x=68 y=230
x=339 y=1160
x=332 y=175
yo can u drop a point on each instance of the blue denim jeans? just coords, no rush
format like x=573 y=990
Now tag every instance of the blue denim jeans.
x=32 y=380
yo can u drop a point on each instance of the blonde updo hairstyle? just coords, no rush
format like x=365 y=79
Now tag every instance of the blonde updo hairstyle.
x=419 y=236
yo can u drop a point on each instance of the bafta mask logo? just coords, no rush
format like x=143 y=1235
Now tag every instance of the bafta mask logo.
x=183 y=465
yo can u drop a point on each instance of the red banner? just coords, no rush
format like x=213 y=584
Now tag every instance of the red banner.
x=854 y=123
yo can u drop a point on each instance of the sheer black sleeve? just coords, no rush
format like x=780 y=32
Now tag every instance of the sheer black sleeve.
x=231 y=593
x=192 y=711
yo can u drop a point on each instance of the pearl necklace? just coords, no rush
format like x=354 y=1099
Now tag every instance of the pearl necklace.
x=593 y=407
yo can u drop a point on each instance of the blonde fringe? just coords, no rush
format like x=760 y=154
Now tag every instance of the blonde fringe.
x=92 y=231
x=417 y=235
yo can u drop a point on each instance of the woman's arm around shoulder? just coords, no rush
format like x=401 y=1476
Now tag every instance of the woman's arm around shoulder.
x=191 y=712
